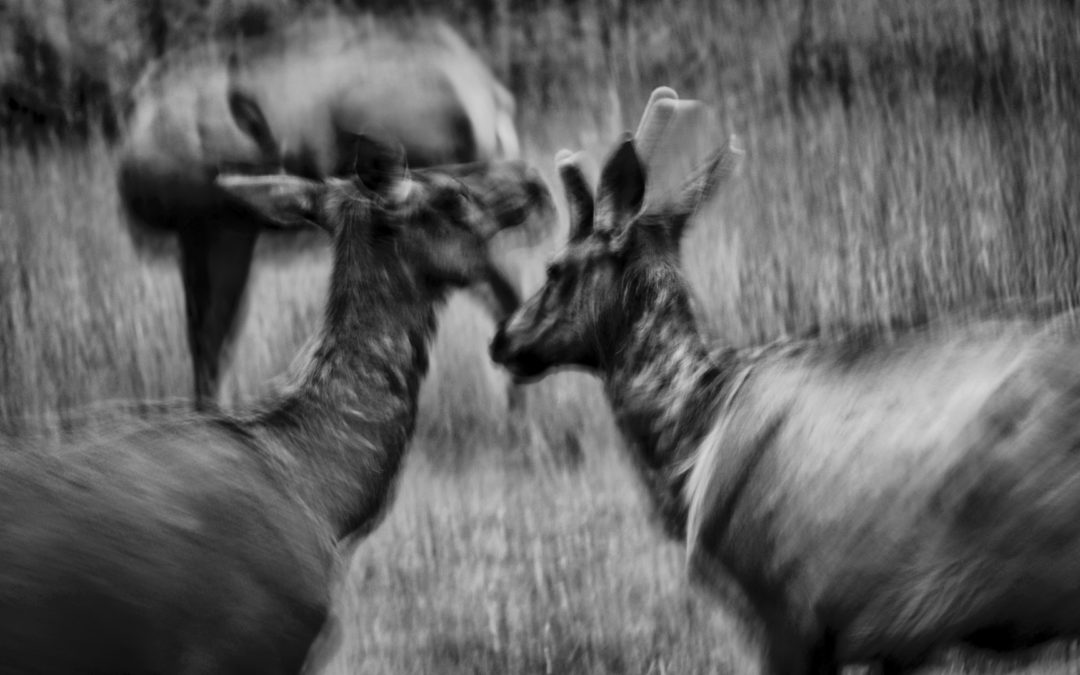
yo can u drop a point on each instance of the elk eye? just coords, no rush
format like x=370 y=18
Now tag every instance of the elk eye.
x=554 y=271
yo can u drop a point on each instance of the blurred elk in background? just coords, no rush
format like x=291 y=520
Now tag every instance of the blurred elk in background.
x=872 y=497
x=206 y=543
x=317 y=83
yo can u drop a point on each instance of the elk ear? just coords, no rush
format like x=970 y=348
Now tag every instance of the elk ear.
x=380 y=163
x=579 y=194
x=622 y=187
x=249 y=117
x=286 y=201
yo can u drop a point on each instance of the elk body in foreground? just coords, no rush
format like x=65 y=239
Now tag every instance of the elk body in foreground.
x=207 y=544
x=317 y=84
x=872 y=499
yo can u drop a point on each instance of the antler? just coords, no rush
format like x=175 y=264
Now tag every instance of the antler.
x=654 y=119
x=669 y=141
x=702 y=183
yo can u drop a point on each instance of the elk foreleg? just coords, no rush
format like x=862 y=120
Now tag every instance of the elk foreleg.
x=215 y=262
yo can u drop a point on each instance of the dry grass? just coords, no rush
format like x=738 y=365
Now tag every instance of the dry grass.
x=897 y=206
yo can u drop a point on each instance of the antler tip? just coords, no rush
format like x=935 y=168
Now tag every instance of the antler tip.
x=661 y=92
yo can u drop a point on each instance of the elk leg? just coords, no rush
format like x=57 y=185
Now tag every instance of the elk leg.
x=215 y=260
x=790 y=650
x=324 y=648
x=823 y=657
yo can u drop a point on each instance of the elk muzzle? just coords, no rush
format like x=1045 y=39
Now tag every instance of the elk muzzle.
x=523 y=362
x=515 y=193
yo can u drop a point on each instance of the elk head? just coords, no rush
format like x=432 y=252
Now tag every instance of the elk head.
x=440 y=219
x=620 y=262
x=447 y=213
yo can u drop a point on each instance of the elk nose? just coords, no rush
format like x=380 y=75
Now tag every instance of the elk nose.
x=498 y=347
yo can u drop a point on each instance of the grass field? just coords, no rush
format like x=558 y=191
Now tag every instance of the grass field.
x=899 y=204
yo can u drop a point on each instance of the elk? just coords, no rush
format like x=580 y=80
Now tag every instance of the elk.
x=206 y=544
x=868 y=499
x=317 y=84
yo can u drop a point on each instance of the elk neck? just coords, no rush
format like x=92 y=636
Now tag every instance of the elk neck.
x=663 y=385
x=337 y=435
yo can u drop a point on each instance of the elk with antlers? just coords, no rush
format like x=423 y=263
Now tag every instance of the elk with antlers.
x=872 y=499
